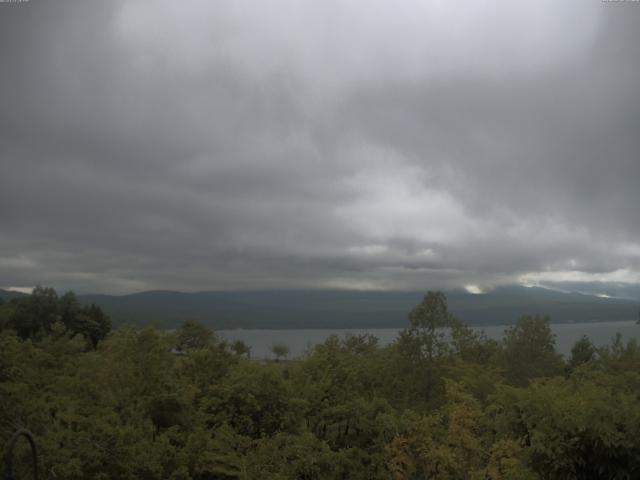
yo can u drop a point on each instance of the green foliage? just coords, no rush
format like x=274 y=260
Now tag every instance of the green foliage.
x=287 y=456
x=442 y=402
x=280 y=350
x=444 y=444
x=428 y=319
x=255 y=400
x=529 y=351
x=193 y=335
x=583 y=352
x=240 y=348
x=7 y=311
x=35 y=316
x=573 y=429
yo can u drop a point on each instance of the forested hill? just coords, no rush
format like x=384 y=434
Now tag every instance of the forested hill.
x=8 y=295
x=352 y=309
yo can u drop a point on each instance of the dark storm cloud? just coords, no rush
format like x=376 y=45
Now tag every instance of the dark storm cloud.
x=304 y=144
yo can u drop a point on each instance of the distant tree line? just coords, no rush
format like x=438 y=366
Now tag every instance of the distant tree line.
x=44 y=312
x=441 y=402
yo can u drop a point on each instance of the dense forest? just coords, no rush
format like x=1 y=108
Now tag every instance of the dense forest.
x=441 y=402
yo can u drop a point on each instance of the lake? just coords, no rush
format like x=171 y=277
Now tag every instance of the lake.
x=298 y=341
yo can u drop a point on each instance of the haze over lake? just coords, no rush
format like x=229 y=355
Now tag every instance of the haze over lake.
x=298 y=341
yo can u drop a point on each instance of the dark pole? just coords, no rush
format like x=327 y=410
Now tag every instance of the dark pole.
x=9 y=473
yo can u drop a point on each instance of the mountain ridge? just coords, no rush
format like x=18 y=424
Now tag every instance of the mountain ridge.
x=274 y=309
x=289 y=308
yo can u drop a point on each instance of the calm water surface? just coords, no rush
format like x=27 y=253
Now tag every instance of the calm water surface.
x=260 y=341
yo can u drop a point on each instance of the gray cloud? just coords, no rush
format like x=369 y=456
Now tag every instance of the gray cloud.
x=350 y=144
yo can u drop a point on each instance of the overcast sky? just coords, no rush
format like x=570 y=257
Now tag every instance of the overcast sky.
x=233 y=144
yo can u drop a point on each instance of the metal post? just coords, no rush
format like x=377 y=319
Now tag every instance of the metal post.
x=9 y=473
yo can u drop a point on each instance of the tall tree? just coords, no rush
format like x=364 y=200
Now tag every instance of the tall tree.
x=428 y=321
x=529 y=351
x=34 y=315
x=93 y=324
x=193 y=335
x=240 y=348
x=280 y=350
x=583 y=351
x=69 y=310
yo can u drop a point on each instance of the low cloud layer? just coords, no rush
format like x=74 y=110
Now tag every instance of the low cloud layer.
x=234 y=144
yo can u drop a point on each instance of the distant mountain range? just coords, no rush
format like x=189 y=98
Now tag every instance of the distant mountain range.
x=349 y=309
